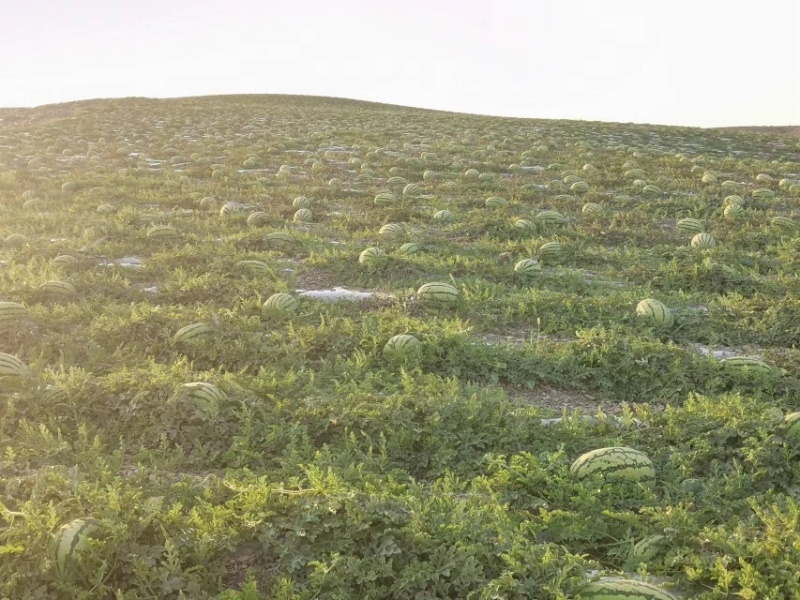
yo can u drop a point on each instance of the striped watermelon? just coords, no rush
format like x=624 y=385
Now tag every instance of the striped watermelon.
x=792 y=423
x=281 y=303
x=591 y=208
x=550 y=217
x=733 y=199
x=614 y=588
x=162 y=232
x=691 y=225
x=443 y=216
x=57 y=290
x=208 y=202
x=65 y=261
x=402 y=348
x=205 y=397
x=397 y=180
x=571 y=179
x=373 y=258
x=391 y=229
x=784 y=223
x=301 y=202
x=645 y=550
x=550 y=251
x=745 y=363
x=471 y=174
x=303 y=216
x=229 y=208
x=524 y=224
x=764 y=178
x=615 y=463
x=254 y=266
x=655 y=312
x=496 y=202
x=258 y=219
x=195 y=331
x=763 y=194
x=15 y=240
x=527 y=267
x=12 y=312
x=68 y=543
x=412 y=190
x=409 y=249
x=385 y=199
x=54 y=394
x=12 y=366
x=733 y=211
x=709 y=178
x=280 y=239
x=703 y=240
x=437 y=293
x=652 y=190
x=106 y=209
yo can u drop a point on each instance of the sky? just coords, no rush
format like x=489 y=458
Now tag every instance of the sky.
x=679 y=62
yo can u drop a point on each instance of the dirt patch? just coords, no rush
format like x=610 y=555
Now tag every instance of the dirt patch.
x=247 y=558
x=558 y=400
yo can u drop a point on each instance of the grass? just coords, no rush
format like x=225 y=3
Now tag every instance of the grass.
x=331 y=472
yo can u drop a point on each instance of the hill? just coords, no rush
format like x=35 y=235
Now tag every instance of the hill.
x=312 y=348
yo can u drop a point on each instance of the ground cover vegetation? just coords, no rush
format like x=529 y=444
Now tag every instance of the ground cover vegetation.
x=302 y=348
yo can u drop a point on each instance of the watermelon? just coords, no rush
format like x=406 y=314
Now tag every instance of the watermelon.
x=254 y=266
x=12 y=312
x=527 y=267
x=385 y=199
x=412 y=190
x=106 y=209
x=733 y=199
x=524 y=224
x=732 y=211
x=54 y=394
x=68 y=543
x=614 y=588
x=12 y=366
x=591 y=208
x=373 y=258
x=229 y=208
x=437 y=293
x=65 y=261
x=391 y=229
x=281 y=303
x=615 y=463
x=763 y=194
x=550 y=217
x=409 y=249
x=652 y=190
x=402 y=348
x=646 y=549
x=691 y=225
x=163 y=232
x=784 y=223
x=496 y=202
x=703 y=240
x=746 y=363
x=194 y=331
x=550 y=251
x=792 y=423
x=57 y=290
x=204 y=397
x=258 y=219
x=655 y=312
x=443 y=216
x=280 y=239
x=15 y=240
x=301 y=202
x=303 y=216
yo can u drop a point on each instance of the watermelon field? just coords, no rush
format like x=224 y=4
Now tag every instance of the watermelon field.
x=298 y=348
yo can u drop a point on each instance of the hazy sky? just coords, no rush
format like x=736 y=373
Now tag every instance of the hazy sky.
x=690 y=62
